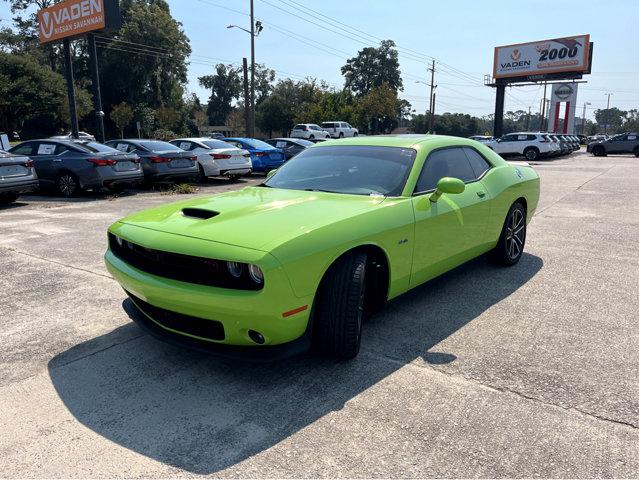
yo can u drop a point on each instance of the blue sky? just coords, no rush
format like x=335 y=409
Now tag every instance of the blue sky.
x=460 y=34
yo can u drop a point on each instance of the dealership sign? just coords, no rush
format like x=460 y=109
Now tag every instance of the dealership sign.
x=75 y=17
x=559 y=55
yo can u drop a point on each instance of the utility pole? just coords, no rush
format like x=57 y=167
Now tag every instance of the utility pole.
x=95 y=80
x=607 y=113
x=68 y=67
x=543 y=110
x=528 y=119
x=247 y=107
x=583 y=119
x=252 y=132
x=432 y=98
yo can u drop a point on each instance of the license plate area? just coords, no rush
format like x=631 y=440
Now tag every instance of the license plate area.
x=181 y=163
x=13 y=171
x=125 y=166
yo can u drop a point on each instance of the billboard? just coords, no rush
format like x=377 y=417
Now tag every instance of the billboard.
x=75 y=17
x=559 y=55
x=563 y=93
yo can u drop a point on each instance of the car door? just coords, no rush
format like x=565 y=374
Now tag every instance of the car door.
x=48 y=160
x=450 y=231
x=507 y=145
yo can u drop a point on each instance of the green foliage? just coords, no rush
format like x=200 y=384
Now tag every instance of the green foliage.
x=373 y=67
x=167 y=118
x=121 y=114
x=225 y=86
x=378 y=108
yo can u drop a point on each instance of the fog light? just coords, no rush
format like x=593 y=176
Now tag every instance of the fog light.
x=256 y=274
x=257 y=337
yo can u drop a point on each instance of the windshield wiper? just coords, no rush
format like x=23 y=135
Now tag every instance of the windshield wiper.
x=319 y=190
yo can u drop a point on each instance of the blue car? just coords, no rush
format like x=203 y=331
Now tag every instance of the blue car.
x=264 y=157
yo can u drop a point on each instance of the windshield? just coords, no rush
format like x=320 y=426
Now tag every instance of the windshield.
x=217 y=144
x=353 y=169
x=157 y=146
x=303 y=143
x=96 y=147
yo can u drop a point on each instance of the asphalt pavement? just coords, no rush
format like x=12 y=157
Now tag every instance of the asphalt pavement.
x=531 y=371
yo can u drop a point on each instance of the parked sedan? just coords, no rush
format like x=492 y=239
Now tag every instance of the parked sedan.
x=72 y=166
x=290 y=146
x=264 y=157
x=161 y=161
x=17 y=176
x=216 y=158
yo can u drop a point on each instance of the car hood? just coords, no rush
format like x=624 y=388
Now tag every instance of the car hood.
x=254 y=217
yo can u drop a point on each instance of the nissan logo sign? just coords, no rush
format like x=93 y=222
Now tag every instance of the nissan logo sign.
x=564 y=91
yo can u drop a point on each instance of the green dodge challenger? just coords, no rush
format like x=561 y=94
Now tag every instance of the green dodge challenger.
x=298 y=261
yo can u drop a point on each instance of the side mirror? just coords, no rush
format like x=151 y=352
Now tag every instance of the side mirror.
x=448 y=185
x=271 y=173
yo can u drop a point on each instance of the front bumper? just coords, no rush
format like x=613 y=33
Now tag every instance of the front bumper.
x=238 y=311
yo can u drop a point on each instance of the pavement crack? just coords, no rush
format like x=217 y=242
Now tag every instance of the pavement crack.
x=56 y=262
x=503 y=390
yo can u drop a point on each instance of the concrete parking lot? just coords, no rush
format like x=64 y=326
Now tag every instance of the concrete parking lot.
x=485 y=372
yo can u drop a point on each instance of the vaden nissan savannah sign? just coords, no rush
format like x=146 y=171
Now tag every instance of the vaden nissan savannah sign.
x=75 y=17
x=559 y=55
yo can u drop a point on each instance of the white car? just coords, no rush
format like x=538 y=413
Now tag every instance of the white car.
x=309 y=131
x=481 y=138
x=217 y=158
x=530 y=145
x=340 y=129
x=81 y=136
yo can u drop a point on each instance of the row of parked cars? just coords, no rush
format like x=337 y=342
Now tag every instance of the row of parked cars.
x=335 y=129
x=532 y=145
x=68 y=166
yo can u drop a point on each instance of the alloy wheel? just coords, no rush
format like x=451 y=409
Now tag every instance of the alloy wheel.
x=515 y=234
x=67 y=185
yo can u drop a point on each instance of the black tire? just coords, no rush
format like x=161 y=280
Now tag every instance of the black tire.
x=531 y=154
x=67 y=184
x=312 y=137
x=355 y=134
x=599 y=151
x=341 y=134
x=6 y=198
x=339 y=307
x=201 y=176
x=512 y=240
x=234 y=178
x=636 y=152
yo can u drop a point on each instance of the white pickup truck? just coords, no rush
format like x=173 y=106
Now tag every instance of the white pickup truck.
x=340 y=129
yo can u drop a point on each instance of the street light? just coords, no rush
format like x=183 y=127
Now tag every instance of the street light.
x=607 y=113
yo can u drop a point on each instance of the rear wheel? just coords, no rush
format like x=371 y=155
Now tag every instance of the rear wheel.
x=341 y=134
x=201 y=176
x=531 y=153
x=339 y=308
x=599 y=151
x=67 y=184
x=510 y=245
x=355 y=134
x=6 y=198
x=636 y=152
x=312 y=137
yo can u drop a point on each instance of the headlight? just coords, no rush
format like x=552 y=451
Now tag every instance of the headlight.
x=235 y=269
x=256 y=274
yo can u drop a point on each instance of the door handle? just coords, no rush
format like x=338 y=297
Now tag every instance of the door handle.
x=481 y=194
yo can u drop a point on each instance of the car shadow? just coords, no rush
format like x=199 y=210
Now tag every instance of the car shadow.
x=202 y=414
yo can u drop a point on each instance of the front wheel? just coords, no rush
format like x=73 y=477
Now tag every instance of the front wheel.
x=67 y=184
x=599 y=151
x=510 y=245
x=355 y=134
x=339 y=308
x=531 y=154
x=312 y=137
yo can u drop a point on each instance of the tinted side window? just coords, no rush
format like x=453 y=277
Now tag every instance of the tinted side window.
x=532 y=137
x=448 y=162
x=509 y=138
x=24 y=149
x=477 y=162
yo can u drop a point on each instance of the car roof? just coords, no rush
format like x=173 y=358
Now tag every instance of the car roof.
x=193 y=139
x=403 y=141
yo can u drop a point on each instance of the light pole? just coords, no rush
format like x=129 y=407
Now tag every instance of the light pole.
x=607 y=113
x=583 y=119
x=256 y=28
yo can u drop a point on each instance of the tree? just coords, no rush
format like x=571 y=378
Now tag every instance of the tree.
x=167 y=118
x=372 y=67
x=378 y=108
x=139 y=75
x=272 y=114
x=264 y=78
x=225 y=86
x=121 y=114
x=613 y=117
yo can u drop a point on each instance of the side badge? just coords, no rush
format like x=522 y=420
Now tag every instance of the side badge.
x=403 y=241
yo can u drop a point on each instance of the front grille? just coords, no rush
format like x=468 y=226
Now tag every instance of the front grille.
x=177 y=266
x=200 y=327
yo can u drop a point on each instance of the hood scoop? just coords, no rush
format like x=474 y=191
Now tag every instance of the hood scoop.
x=200 y=213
